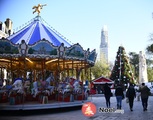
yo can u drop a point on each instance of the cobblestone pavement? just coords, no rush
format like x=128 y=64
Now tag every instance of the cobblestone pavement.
x=136 y=114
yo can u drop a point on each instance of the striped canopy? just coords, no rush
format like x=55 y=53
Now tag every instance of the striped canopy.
x=37 y=30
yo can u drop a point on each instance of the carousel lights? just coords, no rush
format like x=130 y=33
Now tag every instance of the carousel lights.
x=28 y=60
x=51 y=61
x=70 y=62
x=5 y=60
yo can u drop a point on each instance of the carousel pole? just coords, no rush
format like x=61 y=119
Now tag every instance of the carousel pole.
x=64 y=68
x=19 y=69
x=8 y=73
x=68 y=74
x=1 y=73
x=58 y=71
x=72 y=67
x=77 y=73
x=24 y=68
x=58 y=75
x=11 y=70
x=81 y=71
x=42 y=69
x=90 y=73
x=35 y=75
x=85 y=71
x=25 y=74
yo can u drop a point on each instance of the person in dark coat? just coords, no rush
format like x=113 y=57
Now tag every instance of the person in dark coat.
x=107 y=94
x=131 y=94
x=119 y=96
x=145 y=92
x=99 y=89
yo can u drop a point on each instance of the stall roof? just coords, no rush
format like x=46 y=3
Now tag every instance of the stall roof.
x=102 y=80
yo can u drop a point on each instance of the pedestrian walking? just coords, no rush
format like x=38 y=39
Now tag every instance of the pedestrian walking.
x=131 y=94
x=107 y=94
x=145 y=92
x=119 y=96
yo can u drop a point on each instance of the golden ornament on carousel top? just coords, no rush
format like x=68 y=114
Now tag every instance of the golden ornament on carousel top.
x=38 y=8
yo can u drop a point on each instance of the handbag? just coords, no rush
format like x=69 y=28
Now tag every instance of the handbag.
x=127 y=100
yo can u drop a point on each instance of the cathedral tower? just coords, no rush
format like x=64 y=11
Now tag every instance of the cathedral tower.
x=104 y=44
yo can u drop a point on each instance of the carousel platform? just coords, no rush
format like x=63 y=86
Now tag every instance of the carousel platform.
x=39 y=106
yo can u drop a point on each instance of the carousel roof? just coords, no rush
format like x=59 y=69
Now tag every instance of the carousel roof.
x=38 y=30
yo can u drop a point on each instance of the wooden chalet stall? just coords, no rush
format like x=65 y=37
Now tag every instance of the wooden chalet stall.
x=100 y=82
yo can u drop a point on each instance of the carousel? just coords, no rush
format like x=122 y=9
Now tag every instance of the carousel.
x=40 y=69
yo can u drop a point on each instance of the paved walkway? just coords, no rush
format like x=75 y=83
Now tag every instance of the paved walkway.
x=99 y=101
x=136 y=114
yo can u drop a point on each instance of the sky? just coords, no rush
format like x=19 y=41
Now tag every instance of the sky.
x=129 y=22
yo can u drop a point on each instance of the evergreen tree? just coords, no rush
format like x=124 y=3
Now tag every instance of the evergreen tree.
x=122 y=72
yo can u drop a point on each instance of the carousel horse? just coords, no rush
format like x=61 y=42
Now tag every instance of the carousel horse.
x=46 y=92
x=60 y=88
x=67 y=88
x=45 y=89
x=27 y=86
x=34 y=90
x=77 y=87
x=18 y=86
x=72 y=80
x=48 y=85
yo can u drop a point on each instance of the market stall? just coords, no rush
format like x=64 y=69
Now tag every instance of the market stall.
x=97 y=84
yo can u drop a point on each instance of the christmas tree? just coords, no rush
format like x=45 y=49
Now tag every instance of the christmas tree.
x=122 y=72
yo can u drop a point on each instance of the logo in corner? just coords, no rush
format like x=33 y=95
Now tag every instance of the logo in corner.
x=89 y=109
